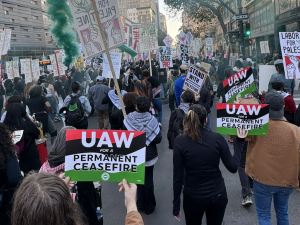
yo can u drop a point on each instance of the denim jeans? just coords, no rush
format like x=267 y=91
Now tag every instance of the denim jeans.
x=263 y=195
x=163 y=93
x=54 y=108
x=208 y=127
x=158 y=107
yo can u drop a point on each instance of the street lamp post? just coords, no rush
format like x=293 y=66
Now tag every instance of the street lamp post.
x=242 y=35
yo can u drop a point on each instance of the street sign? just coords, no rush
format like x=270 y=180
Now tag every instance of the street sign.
x=240 y=17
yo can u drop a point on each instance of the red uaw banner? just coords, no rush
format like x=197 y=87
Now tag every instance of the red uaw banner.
x=241 y=83
x=251 y=117
x=105 y=155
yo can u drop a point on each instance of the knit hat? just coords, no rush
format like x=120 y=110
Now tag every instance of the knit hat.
x=278 y=61
x=276 y=105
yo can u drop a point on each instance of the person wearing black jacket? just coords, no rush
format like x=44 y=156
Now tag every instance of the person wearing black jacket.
x=138 y=71
x=196 y=159
x=10 y=174
x=2 y=94
x=205 y=100
x=156 y=90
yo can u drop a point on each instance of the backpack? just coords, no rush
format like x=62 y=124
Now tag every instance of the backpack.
x=75 y=112
x=115 y=112
x=178 y=124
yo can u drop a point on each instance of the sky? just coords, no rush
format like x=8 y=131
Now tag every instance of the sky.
x=173 y=23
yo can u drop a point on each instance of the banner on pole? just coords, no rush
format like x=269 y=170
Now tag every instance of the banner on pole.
x=60 y=63
x=209 y=47
x=7 y=40
x=26 y=70
x=251 y=117
x=290 y=48
x=105 y=155
x=195 y=79
x=241 y=83
x=54 y=65
x=165 y=57
x=88 y=31
x=116 y=61
x=35 y=68
x=148 y=41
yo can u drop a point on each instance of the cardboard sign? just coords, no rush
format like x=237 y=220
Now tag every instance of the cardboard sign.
x=241 y=83
x=88 y=31
x=105 y=155
x=116 y=60
x=290 y=48
x=251 y=117
x=206 y=66
x=136 y=37
x=195 y=80
x=165 y=57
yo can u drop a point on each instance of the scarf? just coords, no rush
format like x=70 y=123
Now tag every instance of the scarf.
x=143 y=122
x=283 y=94
x=115 y=99
x=185 y=107
x=127 y=79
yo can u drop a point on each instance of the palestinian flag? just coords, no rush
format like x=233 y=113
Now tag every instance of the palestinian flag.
x=241 y=83
x=226 y=56
x=251 y=117
x=105 y=155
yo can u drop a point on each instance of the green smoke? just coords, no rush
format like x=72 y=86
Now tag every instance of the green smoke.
x=63 y=35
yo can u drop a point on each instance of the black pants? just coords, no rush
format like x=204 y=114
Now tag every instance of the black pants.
x=115 y=123
x=214 y=209
x=246 y=181
x=82 y=125
x=145 y=193
x=172 y=102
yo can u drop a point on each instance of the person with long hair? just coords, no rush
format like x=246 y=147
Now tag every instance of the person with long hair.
x=129 y=100
x=142 y=120
x=27 y=89
x=56 y=164
x=10 y=174
x=196 y=159
x=44 y=198
x=16 y=119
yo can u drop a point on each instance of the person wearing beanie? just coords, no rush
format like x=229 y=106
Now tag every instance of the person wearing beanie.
x=289 y=84
x=273 y=163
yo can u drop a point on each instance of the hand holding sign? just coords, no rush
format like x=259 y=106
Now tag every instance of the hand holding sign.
x=130 y=195
x=241 y=133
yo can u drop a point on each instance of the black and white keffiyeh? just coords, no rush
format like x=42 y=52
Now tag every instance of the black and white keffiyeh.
x=115 y=99
x=136 y=121
x=185 y=107
x=135 y=78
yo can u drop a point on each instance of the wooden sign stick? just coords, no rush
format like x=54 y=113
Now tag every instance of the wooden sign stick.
x=108 y=55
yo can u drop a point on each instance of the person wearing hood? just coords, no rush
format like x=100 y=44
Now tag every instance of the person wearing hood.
x=56 y=165
x=289 y=84
x=238 y=66
x=170 y=87
x=142 y=120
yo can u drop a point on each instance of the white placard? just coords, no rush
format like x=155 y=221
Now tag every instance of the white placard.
x=7 y=41
x=265 y=73
x=60 y=62
x=195 y=79
x=9 y=70
x=16 y=68
x=148 y=41
x=126 y=31
x=182 y=38
x=264 y=47
x=26 y=69
x=35 y=68
x=168 y=41
x=165 y=57
x=88 y=31
x=116 y=60
x=209 y=47
x=54 y=65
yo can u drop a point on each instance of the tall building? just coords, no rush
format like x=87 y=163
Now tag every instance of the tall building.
x=163 y=23
x=132 y=14
x=30 y=28
x=146 y=14
x=124 y=5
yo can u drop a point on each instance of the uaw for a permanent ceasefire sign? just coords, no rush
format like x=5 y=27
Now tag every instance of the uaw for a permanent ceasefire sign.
x=105 y=155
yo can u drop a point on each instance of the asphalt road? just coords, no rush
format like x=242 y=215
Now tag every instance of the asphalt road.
x=113 y=202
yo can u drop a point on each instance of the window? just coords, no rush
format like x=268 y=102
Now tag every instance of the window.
x=44 y=2
x=12 y=28
x=24 y=19
x=38 y=39
x=6 y=12
x=25 y=36
x=35 y=17
x=8 y=8
x=12 y=20
x=13 y=35
x=23 y=29
x=13 y=40
x=34 y=2
x=37 y=35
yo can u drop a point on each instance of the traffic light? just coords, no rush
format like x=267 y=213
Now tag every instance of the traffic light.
x=248 y=30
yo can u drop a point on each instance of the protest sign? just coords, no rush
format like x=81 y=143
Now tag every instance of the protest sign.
x=168 y=41
x=35 y=68
x=241 y=83
x=105 y=155
x=16 y=68
x=290 y=48
x=209 y=47
x=54 y=65
x=182 y=38
x=9 y=70
x=265 y=73
x=264 y=47
x=116 y=60
x=195 y=80
x=165 y=57
x=88 y=30
x=185 y=54
x=126 y=31
x=7 y=40
x=60 y=62
x=198 y=46
x=206 y=66
x=136 y=36
x=189 y=38
x=26 y=69
x=251 y=117
x=148 y=37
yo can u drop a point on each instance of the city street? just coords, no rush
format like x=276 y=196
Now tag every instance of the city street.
x=113 y=202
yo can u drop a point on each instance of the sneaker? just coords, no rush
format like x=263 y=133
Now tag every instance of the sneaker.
x=247 y=201
x=160 y=126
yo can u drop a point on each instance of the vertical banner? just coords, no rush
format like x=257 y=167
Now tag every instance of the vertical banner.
x=182 y=38
x=251 y=117
x=264 y=47
x=105 y=155
x=16 y=68
x=9 y=70
x=241 y=83
x=195 y=80
x=60 y=63
x=7 y=41
x=290 y=48
x=136 y=36
x=198 y=45
x=189 y=38
x=209 y=47
x=88 y=30
x=126 y=31
x=35 y=68
x=116 y=60
x=26 y=69
x=168 y=41
x=165 y=57
x=185 y=54
x=54 y=65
